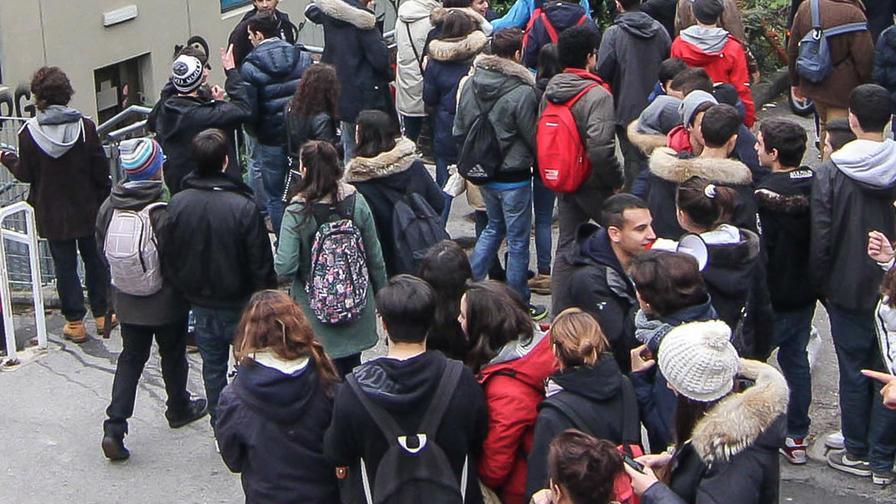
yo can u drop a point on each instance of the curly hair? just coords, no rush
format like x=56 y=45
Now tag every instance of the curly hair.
x=317 y=92
x=51 y=86
x=583 y=466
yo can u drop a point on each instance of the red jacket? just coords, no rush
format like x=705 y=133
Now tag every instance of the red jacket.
x=679 y=139
x=513 y=391
x=729 y=65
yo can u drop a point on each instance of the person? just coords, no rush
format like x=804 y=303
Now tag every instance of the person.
x=411 y=29
x=581 y=470
x=273 y=415
x=61 y=157
x=162 y=315
x=506 y=89
x=439 y=14
x=852 y=192
x=669 y=69
x=730 y=19
x=592 y=276
x=222 y=254
x=354 y=45
x=888 y=391
x=686 y=139
x=594 y=118
x=717 y=130
x=512 y=360
x=242 y=46
x=448 y=59
x=311 y=113
x=384 y=170
x=588 y=393
x=521 y=13
x=402 y=385
x=884 y=71
x=735 y=271
x=556 y=16
x=727 y=437
x=745 y=147
x=186 y=114
x=670 y=293
x=839 y=134
x=852 y=53
x=446 y=268
x=708 y=46
x=323 y=197
x=634 y=36
x=273 y=71
x=783 y=201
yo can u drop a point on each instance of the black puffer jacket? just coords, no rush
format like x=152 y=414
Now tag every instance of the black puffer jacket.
x=885 y=62
x=273 y=70
x=301 y=129
x=221 y=251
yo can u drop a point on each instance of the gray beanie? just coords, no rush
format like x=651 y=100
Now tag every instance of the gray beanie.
x=691 y=102
x=186 y=73
x=699 y=361
x=660 y=116
x=708 y=11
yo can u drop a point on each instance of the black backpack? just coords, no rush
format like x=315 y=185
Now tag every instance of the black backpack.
x=480 y=157
x=415 y=228
x=413 y=465
x=630 y=435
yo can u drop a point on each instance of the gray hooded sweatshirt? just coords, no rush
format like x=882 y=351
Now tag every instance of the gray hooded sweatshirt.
x=56 y=130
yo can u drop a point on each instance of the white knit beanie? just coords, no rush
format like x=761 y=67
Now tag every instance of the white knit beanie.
x=186 y=73
x=699 y=361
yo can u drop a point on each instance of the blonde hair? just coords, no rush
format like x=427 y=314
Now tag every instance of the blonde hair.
x=577 y=338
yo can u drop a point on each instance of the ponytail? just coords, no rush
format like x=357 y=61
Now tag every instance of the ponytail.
x=577 y=339
x=706 y=204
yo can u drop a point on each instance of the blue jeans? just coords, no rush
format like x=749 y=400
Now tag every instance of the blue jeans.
x=273 y=164
x=869 y=429
x=510 y=216
x=215 y=329
x=254 y=175
x=349 y=142
x=442 y=179
x=68 y=283
x=792 y=330
x=543 y=204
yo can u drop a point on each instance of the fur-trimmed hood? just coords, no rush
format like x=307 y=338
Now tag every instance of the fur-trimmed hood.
x=397 y=160
x=741 y=420
x=437 y=16
x=342 y=10
x=458 y=49
x=646 y=142
x=665 y=164
x=504 y=66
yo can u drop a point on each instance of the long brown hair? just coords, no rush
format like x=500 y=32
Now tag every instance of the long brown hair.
x=577 y=338
x=496 y=315
x=707 y=205
x=273 y=321
x=322 y=173
x=318 y=92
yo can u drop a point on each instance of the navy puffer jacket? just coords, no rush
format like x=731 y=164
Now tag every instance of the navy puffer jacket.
x=273 y=70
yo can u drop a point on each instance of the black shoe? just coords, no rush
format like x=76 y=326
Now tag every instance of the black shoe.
x=113 y=447
x=196 y=409
x=538 y=312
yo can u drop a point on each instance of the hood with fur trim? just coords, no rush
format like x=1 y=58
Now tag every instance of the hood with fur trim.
x=347 y=12
x=665 y=164
x=739 y=420
x=504 y=66
x=645 y=142
x=397 y=160
x=438 y=16
x=458 y=49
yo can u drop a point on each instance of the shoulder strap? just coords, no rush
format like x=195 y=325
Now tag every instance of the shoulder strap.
x=414 y=48
x=630 y=431
x=389 y=427
x=565 y=407
x=846 y=28
x=582 y=20
x=572 y=101
x=816 y=14
x=552 y=32
x=483 y=110
x=447 y=385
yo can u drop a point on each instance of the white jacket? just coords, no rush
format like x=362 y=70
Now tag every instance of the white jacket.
x=411 y=29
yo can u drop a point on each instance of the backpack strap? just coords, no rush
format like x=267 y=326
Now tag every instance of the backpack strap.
x=815 y=11
x=414 y=48
x=552 y=32
x=582 y=20
x=387 y=425
x=323 y=214
x=845 y=28
x=572 y=101
x=566 y=408
x=439 y=404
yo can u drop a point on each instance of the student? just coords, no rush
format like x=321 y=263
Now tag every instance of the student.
x=588 y=393
x=852 y=193
x=745 y=147
x=440 y=14
x=511 y=359
x=522 y=11
x=555 y=17
x=323 y=197
x=669 y=69
x=61 y=157
x=634 y=36
x=272 y=417
x=727 y=438
x=592 y=276
x=403 y=385
x=447 y=270
x=839 y=134
x=783 y=200
x=412 y=27
x=239 y=38
x=221 y=254
x=312 y=112
x=730 y=19
x=581 y=470
x=686 y=138
x=384 y=170
x=712 y=48
x=161 y=315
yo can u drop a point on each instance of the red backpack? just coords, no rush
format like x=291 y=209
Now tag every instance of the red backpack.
x=548 y=26
x=562 y=161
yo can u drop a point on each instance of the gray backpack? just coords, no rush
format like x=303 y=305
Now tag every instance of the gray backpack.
x=132 y=252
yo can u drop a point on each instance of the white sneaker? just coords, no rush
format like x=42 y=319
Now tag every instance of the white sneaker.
x=834 y=441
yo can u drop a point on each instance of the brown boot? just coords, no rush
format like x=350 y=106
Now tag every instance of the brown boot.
x=101 y=324
x=75 y=331
x=540 y=284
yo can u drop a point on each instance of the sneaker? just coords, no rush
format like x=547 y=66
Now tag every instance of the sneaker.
x=882 y=478
x=538 y=312
x=74 y=330
x=794 y=450
x=113 y=447
x=541 y=284
x=835 y=441
x=196 y=409
x=842 y=461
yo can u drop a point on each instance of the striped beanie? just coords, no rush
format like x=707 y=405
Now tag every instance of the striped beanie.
x=141 y=159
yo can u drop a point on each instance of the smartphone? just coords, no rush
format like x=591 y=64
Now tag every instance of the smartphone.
x=634 y=464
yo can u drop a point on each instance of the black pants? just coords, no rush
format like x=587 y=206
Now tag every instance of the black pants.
x=137 y=344
x=68 y=283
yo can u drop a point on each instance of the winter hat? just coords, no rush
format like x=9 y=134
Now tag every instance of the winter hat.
x=707 y=11
x=141 y=159
x=186 y=73
x=699 y=361
x=688 y=108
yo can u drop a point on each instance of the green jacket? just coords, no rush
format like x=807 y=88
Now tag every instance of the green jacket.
x=293 y=259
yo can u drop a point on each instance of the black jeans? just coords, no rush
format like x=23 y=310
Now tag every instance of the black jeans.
x=137 y=341
x=68 y=283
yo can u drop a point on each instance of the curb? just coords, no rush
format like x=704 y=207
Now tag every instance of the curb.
x=769 y=90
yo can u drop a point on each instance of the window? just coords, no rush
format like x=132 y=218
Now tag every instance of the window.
x=227 y=5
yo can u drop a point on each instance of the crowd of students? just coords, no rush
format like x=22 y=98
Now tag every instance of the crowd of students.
x=477 y=400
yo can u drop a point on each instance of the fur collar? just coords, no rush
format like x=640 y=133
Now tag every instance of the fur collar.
x=344 y=11
x=504 y=66
x=665 y=164
x=438 y=14
x=387 y=163
x=646 y=142
x=795 y=204
x=458 y=49
x=736 y=422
